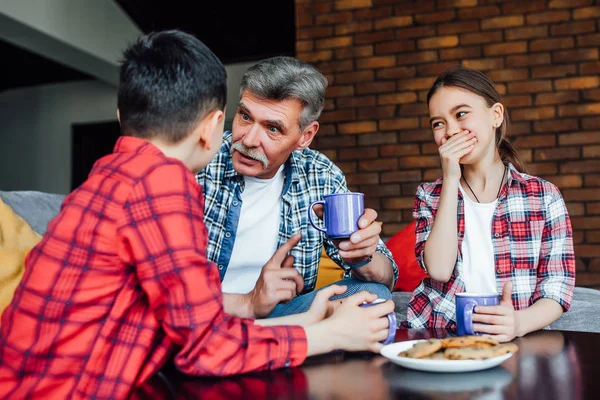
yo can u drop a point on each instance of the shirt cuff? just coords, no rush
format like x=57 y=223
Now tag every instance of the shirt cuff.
x=293 y=347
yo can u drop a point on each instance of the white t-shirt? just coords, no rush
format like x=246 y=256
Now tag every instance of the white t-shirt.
x=257 y=232
x=477 y=247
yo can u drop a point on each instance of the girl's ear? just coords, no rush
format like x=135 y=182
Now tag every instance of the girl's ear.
x=498 y=112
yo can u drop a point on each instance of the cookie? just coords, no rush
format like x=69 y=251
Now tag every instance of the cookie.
x=422 y=349
x=504 y=348
x=436 y=356
x=480 y=351
x=466 y=341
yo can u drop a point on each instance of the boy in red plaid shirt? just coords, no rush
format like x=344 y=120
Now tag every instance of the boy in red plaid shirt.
x=121 y=281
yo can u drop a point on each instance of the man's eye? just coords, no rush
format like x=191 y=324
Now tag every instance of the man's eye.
x=273 y=129
x=245 y=116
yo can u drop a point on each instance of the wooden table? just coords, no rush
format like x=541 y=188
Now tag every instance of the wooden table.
x=549 y=365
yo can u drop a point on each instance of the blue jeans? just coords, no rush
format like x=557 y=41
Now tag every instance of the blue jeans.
x=302 y=303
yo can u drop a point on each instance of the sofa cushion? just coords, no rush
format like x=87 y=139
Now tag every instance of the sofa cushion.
x=36 y=208
x=402 y=247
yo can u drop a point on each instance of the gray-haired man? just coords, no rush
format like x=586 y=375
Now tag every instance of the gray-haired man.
x=258 y=189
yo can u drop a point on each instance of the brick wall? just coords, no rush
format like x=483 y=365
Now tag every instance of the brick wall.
x=381 y=56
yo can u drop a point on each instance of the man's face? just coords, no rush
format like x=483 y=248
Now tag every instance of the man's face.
x=265 y=133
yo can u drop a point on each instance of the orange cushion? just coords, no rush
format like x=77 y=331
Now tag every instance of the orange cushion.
x=402 y=247
x=329 y=271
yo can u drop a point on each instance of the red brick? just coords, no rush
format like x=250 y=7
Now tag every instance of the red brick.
x=376 y=87
x=581 y=167
x=440 y=16
x=398 y=203
x=357 y=127
x=327 y=129
x=334 y=18
x=315 y=56
x=502 y=22
x=531 y=86
x=377 y=138
x=339 y=115
x=385 y=191
x=355 y=101
x=399 y=150
x=393 y=22
x=396 y=73
x=575 y=209
x=587 y=250
x=415 y=32
x=588 y=40
x=338 y=91
x=570 y=56
x=336 y=66
x=358 y=153
x=555 y=125
x=528 y=60
x=304 y=46
x=334 y=142
x=478 y=12
x=591 y=151
x=354 y=52
x=578 y=110
x=573 y=28
x=416 y=83
x=415 y=135
x=395 y=47
x=501 y=88
x=517 y=101
x=480 y=37
x=592 y=94
x=437 y=42
x=410 y=189
x=529 y=32
x=542 y=169
x=458 y=27
x=535 y=141
x=329 y=104
x=593 y=180
x=590 y=123
x=506 y=75
x=419 y=161
x=555 y=71
x=376 y=62
x=401 y=176
x=547 y=17
x=556 y=98
x=417 y=58
x=442 y=4
x=376 y=112
x=398 y=124
x=586 y=223
x=552 y=44
x=355 y=76
x=520 y=128
x=557 y=154
x=415 y=109
x=566 y=181
x=311 y=33
x=429 y=148
x=434 y=69
x=460 y=53
x=373 y=13
x=397 y=98
x=587 y=279
x=353 y=27
x=362 y=178
x=484 y=64
x=568 y=3
x=523 y=7
x=582 y=82
x=505 y=48
x=579 y=138
x=587 y=12
x=352 y=4
x=432 y=174
x=382 y=164
x=414 y=7
x=374 y=37
x=589 y=68
x=334 y=42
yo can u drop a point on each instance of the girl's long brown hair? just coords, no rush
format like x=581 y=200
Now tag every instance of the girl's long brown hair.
x=478 y=83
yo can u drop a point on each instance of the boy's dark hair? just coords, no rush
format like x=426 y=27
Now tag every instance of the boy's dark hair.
x=169 y=81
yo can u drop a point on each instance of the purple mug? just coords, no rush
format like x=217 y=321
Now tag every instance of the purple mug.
x=465 y=303
x=341 y=214
x=391 y=318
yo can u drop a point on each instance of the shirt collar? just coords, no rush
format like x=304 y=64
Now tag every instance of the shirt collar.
x=514 y=175
x=130 y=144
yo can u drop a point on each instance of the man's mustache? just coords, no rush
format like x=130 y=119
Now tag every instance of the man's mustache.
x=256 y=155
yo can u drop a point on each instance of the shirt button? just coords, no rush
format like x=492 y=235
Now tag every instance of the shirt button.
x=499 y=271
x=220 y=267
x=227 y=234
x=287 y=363
x=496 y=235
x=235 y=203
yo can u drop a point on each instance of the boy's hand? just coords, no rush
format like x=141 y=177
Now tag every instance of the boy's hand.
x=321 y=306
x=279 y=281
x=501 y=320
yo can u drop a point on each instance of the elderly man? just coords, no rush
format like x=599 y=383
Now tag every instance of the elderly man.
x=258 y=189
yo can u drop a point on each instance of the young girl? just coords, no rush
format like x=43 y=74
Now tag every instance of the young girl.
x=486 y=226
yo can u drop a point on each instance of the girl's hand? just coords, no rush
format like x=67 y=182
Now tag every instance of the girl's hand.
x=502 y=322
x=321 y=306
x=452 y=150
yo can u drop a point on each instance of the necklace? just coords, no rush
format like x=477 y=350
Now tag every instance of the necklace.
x=499 y=188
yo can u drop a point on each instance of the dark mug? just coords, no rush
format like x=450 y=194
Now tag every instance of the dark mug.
x=391 y=318
x=465 y=304
x=341 y=214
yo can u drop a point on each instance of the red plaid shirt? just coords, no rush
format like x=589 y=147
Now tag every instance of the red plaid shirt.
x=120 y=282
x=533 y=247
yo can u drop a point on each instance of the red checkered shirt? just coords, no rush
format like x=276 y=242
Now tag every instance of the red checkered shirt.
x=533 y=247
x=121 y=282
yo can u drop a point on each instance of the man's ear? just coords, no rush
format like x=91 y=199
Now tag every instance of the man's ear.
x=308 y=135
x=119 y=116
x=208 y=126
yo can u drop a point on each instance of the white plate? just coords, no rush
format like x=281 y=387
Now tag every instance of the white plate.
x=391 y=352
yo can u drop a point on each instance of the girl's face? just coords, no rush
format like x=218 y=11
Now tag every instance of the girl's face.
x=453 y=110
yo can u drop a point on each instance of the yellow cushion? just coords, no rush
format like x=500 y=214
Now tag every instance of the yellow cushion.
x=16 y=240
x=329 y=271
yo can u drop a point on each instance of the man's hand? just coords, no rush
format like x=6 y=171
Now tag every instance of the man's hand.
x=501 y=320
x=362 y=243
x=279 y=281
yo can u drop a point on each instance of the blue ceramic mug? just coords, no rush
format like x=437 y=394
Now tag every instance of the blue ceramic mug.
x=341 y=214
x=465 y=303
x=391 y=318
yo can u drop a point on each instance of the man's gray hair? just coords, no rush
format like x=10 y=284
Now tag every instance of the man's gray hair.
x=281 y=78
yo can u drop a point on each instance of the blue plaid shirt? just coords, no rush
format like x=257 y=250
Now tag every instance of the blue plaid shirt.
x=309 y=176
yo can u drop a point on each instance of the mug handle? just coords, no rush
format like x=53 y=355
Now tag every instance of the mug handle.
x=392 y=329
x=468 y=319
x=310 y=216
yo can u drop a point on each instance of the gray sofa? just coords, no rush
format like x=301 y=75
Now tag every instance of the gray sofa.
x=39 y=208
